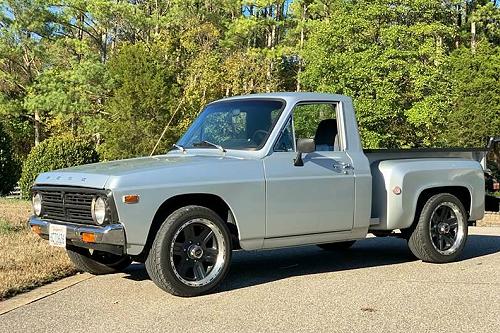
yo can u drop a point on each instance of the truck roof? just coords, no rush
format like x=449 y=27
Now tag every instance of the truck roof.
x=294 y=97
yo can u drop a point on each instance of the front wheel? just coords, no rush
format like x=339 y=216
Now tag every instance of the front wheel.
x=191 y=252
x=97 y=262
x=441 y=230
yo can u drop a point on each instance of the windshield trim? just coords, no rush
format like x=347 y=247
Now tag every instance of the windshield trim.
x=271 y=129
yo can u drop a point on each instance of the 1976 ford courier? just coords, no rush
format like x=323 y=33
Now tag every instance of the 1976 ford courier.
x=257 y=172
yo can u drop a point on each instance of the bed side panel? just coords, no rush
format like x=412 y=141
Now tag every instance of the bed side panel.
x=413 y=177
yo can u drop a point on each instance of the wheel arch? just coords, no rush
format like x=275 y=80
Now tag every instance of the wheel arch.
x=462 y=193
x=211 y=201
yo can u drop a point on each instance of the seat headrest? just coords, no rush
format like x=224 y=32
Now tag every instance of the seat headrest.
x=326 y=132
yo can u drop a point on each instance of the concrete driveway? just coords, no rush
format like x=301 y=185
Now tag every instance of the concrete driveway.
x=374 y=287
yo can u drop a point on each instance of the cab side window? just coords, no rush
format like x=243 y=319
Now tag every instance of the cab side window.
x=319 y=122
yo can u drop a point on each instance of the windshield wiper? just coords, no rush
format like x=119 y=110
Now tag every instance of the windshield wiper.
x=181 y=148
x=208 y=143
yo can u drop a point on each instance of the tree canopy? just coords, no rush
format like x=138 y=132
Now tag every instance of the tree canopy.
x=422 y=72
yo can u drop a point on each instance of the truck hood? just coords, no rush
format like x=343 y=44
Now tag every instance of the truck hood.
x=96 y=175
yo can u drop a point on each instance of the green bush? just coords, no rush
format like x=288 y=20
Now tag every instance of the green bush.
x=8 y=166
x=55 y=153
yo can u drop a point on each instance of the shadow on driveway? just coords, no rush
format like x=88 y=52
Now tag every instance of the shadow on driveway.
x=259 y=267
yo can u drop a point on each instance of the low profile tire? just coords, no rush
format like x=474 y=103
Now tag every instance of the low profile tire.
x=191 y=253
x=339 y=246
x=97 y=262
x=441 y=230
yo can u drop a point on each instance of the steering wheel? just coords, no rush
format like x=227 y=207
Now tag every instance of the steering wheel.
x=258 y=136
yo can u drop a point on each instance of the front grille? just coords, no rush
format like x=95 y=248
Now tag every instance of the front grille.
x=67 y=205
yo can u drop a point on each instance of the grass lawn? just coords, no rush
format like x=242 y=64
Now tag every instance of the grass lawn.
x=26 y=260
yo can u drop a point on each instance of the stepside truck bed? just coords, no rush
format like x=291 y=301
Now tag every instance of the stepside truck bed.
x=412 y=172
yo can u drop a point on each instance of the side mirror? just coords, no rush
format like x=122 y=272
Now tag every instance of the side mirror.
x=304 y=146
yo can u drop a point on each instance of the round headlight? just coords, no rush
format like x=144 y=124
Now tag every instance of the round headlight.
x=37 y=204
x=99 y=210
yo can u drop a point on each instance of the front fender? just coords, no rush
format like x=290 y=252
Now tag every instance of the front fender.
x=240 y=183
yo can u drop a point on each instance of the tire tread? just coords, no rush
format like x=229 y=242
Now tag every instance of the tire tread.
x=89 y=265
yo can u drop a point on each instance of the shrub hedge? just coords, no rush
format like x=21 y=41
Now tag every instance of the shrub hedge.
x=55 y=153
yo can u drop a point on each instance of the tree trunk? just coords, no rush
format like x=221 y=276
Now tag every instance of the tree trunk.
x=37 y=128
x=473 y=37
x=74 y=126
x=273 y=36
x=463 y=12
x=104 y=47
x=301 y=46
x=439 y=50
x=157 y=18
x=81 y=23
x=269 y=74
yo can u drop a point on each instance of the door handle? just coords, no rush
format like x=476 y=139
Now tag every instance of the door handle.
x=343 y=165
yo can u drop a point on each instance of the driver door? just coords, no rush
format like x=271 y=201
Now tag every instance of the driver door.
x=317 y=197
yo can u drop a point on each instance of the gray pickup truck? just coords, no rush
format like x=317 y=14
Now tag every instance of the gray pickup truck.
x=258 y=172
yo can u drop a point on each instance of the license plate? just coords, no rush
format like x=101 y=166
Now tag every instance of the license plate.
x=57 y=235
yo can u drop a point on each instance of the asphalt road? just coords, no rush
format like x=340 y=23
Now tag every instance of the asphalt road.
x=375 y=287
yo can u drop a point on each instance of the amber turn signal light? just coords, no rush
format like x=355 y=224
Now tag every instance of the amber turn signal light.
x=131 y=198
x=36 y=229
x=88 y=237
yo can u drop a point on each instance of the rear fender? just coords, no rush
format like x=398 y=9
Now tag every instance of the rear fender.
x=413 y=177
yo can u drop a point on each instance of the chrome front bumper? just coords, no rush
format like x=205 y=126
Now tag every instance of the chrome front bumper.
x=110 y=238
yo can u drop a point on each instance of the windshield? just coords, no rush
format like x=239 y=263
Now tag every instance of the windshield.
x=239 y=124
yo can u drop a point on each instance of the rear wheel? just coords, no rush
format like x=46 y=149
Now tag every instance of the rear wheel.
x=441 y=230
x=97 y=262
x=191 y=252
x=338 y=246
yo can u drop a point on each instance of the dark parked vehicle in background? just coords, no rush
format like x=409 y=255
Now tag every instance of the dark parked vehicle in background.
x=492 y=183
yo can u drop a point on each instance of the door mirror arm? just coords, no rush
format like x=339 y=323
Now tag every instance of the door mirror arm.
x=304 y=146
